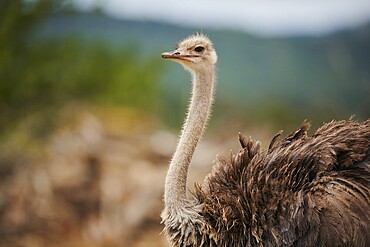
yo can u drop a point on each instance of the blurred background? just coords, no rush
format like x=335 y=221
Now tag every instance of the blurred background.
x=90 y=113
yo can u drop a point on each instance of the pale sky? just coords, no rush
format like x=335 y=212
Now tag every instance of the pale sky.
x=262 y=17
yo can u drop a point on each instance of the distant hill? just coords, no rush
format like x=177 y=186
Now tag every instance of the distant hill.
x=312 y=77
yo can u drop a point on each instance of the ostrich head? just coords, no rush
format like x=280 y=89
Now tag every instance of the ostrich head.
x=194 y=53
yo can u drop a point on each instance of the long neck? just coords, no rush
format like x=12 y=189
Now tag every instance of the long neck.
x=197 y=116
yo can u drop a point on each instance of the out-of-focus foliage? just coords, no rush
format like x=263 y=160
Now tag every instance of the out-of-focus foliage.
x=40 y=76
x=47 y=85
x=276 y=81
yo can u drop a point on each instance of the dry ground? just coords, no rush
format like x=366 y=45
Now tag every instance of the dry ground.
x=99 y=182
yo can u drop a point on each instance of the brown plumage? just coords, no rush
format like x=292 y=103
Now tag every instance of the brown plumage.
x=302 y=191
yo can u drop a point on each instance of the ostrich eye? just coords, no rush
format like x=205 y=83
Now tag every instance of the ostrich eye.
x=199 y=48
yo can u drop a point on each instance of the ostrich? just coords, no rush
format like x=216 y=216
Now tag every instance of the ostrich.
x=301 y=191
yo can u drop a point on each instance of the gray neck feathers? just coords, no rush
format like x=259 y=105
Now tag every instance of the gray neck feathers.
x=200 y=105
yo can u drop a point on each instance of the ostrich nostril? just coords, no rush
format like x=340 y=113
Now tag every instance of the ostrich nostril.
x=176 y=53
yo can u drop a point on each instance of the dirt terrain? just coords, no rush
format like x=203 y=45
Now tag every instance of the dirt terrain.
x=99 y=182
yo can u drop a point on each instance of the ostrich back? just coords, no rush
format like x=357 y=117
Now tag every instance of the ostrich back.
x=302 y=191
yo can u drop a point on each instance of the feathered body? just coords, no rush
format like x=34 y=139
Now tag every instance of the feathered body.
x=302 y=191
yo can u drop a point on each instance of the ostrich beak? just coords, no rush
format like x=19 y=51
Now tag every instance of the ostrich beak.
x=176 y=55
x=170 y=54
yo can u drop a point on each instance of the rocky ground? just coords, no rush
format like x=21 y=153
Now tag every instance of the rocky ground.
x=96 y=184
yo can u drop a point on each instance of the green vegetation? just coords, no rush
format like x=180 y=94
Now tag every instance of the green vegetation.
x=38 y=77
x=51 y=56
